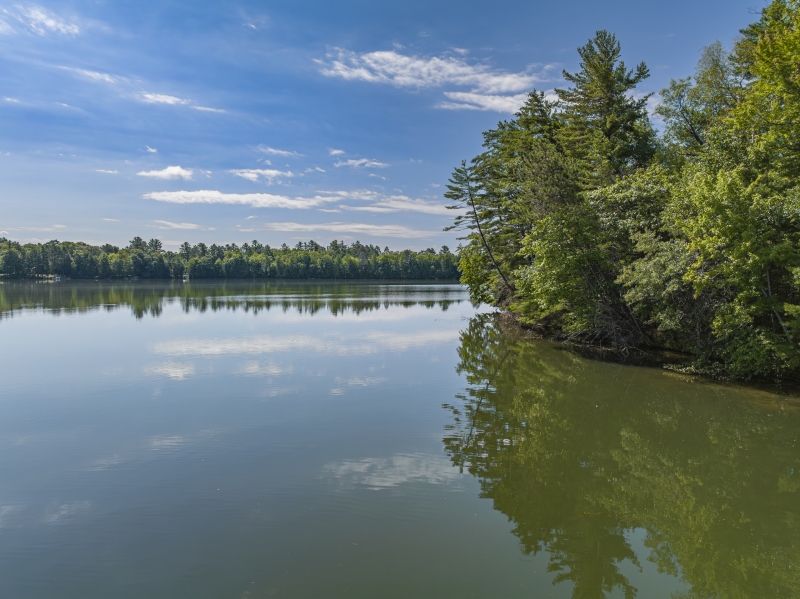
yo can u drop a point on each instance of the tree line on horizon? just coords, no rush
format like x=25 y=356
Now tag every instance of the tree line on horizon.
x=149 y=260
x=592 y=226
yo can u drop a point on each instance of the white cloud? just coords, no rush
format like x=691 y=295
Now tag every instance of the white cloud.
x=250 y=217
x=162 y=99
x=254 y=174
x=365 y=344
x=490 y=89
x=94 y=75
x=50 y=229
x=368 y=381
x=100 y=170
x=5 y=28
x=150 y=150
x=353 y=228
x=414 y=71
x=361 y=163
x=105 y=463
x=41 y=21
x=110 y=220
x=165 y=224
x=12 y=100
x=268 y=369
x=175 y=370
x=54 y=515
x=235 y=346
x=403 y=204
x=377 y=203
x=477 y=101
x=384 y=473
x=162 y=442
x=333 y=152
x=256 y=200
x=268 y=150
x=171 y=172
x=207 y=109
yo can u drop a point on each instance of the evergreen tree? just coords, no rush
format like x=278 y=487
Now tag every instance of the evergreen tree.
x=605 y=126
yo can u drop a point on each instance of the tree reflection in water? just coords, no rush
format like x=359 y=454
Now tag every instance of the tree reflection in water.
x=579 y=453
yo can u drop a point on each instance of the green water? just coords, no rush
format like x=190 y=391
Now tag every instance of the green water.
x=328 y=440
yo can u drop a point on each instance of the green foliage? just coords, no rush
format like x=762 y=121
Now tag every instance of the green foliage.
x=604 y=125
x=148 y=260
x=577 y=461
x=249 y=295
x=586 y=224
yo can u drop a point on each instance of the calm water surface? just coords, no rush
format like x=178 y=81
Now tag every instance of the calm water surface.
x=326 y=440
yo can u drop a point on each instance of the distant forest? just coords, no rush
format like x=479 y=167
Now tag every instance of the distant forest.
x=149 y=260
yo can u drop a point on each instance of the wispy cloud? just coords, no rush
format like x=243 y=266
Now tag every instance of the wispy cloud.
x=151 y=150
x=67 y=511
x=361 y=344
x=93 y=75
x=143 y=96
x=151 y=98
x=374 y=202
x=334 y=152
x=268 y=150
x=165 y=224
x=384 y=204
x=361 y=163
x=177 y=371
x=269 y=369
x=490 y=89
x=476 y=101
x=414 y=71
x=384 y=473
x=256 y=200
x=171 y=172
x=12 y=100
x=403 y=204
x=50 y=229
x=100 y=170
x=110 y=220
x=39 y=20
x=256 y=174
x=352 y=229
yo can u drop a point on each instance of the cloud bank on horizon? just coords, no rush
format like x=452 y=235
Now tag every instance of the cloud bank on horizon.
x=121 y=121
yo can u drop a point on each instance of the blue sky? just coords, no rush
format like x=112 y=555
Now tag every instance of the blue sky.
x=280 y=121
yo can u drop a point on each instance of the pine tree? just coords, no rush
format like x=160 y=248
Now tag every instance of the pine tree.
x=606 y=127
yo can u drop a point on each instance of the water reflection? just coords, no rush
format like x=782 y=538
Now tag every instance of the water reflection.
x=150 y=298
x=581 y=455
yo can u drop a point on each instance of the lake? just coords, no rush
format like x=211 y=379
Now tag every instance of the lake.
x=249 y=440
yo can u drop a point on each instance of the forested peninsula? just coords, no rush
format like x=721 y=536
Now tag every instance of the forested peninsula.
x=148 y=260
x=590 y=225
